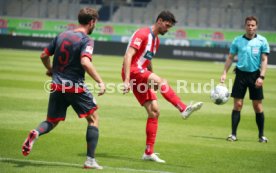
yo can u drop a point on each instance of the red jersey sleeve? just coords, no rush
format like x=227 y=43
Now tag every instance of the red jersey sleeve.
x=47 y=51
x=137 y=39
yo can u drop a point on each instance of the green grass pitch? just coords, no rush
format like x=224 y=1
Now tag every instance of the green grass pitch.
x=196 y=145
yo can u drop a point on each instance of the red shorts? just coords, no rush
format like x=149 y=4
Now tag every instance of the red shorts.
x=139 y=86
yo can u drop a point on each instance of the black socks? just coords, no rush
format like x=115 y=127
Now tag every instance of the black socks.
x=260 y=123
x=236 y=116
x=44 y=127
x=92 y=136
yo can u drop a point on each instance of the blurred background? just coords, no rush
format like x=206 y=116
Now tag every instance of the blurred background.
x=190 y=13
x=204 y=30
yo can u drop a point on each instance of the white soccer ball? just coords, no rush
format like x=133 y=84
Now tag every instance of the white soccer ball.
x=220 y=95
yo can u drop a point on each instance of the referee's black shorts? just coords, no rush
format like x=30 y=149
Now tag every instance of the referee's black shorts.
x=246 y=80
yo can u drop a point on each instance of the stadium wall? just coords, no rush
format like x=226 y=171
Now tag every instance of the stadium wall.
x=178 y=35
x=103 y=47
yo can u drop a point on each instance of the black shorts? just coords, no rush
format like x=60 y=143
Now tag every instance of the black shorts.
x=83 y=103
x=246 y=80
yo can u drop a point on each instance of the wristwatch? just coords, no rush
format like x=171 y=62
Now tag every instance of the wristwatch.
x=262 y=77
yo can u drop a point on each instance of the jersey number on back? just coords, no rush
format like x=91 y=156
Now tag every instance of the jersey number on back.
x=64 y=58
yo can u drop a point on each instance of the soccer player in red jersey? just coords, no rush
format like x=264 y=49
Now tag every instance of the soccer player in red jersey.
x=138 y=75
x=72 y=52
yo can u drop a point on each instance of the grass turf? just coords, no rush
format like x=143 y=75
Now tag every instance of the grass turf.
x=194 y=145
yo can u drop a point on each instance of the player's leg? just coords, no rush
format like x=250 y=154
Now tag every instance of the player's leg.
x=256 y=95
x=56 y=112
x=92 y=133
x=166 y=91
x=238 y=92
x=235 y=118
x=258 y=108
x=152 y=124
x=147 y=98
x=85 y=106
x=152 y=109
x=169 y=94
x=92 y=136
x=45 y=127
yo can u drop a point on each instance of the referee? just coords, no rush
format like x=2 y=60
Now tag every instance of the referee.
x=252 y=53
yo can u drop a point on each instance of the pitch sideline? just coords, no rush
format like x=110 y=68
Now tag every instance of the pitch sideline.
x=77 y=165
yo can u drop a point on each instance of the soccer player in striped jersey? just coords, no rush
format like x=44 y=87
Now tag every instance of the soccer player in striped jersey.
x=72 y=51
x=138 y=75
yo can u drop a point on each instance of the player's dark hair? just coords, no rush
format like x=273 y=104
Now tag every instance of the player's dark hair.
x=167 y=16
x=251 y=18
x=87 y=14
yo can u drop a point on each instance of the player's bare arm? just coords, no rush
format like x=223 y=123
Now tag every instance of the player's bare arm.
x=264 y=64
x=46 y=62
x=227 y=65
x=127 y=61
x=260 y=80
x=92 y=72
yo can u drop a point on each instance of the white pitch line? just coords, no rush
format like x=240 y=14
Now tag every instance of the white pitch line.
x=77 y=165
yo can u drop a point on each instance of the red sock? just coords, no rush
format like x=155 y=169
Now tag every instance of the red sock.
x=169 y=94
x=151 y=130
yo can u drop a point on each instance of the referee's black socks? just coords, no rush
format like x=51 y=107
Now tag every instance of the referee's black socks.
x=236 y=116
x=260 y=123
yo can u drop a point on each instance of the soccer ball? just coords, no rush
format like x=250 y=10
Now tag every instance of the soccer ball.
x=220 y=95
